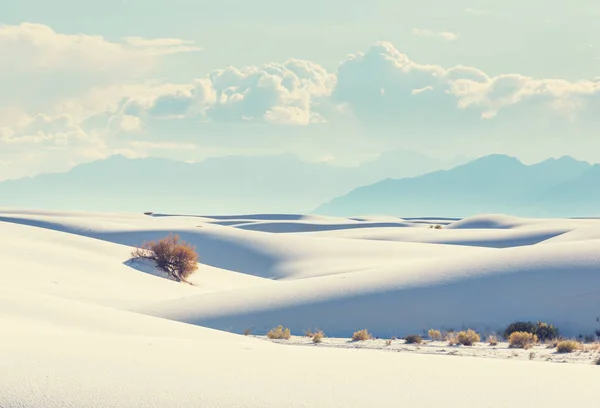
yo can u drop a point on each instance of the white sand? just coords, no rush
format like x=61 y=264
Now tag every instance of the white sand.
x=85 y=328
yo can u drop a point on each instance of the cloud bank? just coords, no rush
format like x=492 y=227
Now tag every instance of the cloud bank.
x=82 y=96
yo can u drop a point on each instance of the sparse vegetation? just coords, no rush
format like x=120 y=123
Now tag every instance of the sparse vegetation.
x=318 y=337
x=148 y=213
x=413 y=339
x=451 y=338
x=597 y=362
x=543 y=331
x=247 y=332
x=308 y=333
x=438 y=226
x=522 y=340
x=171 y=255
x=388 y=342
x=435 y=335
x=492 y=339
x=279 y=333
x=531 y=355
x=361 y=335
x=468 y=338
x=568 y=346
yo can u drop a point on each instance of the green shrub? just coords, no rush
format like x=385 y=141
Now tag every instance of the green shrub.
x=468 y=338
x=413 y=339
x=543 y=331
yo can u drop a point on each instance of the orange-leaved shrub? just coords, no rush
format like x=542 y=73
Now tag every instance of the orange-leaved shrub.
x=172 y=255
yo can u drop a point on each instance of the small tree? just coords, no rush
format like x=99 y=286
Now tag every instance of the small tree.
x=172 y=255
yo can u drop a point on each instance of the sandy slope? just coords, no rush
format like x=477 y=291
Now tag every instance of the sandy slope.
x=87 y=328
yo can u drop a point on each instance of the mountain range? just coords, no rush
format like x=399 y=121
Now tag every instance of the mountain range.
x=223 y=185
x=562 y=187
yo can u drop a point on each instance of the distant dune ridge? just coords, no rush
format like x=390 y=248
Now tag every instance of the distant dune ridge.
x=86 y=326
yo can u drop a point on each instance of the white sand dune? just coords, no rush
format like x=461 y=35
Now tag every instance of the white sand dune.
x=85 y=327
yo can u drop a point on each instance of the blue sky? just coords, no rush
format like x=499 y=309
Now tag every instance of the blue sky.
x=339 y=80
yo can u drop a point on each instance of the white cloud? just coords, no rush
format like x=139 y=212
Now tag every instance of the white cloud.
x=95 y=104
x=421 y=90
x=445 y=35
x=161 y=46
x=67 y=65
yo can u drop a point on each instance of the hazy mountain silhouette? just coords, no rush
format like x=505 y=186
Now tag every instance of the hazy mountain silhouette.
x=491 y=184
x=233 y=184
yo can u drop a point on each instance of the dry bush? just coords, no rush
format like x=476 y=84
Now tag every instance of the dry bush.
x=388 y=342
x=434 y=334
x=361 y=335
x=172 y=255
x=413 y=339
x=279 y=333
x=593 y=347
x=468 y=338
x=492 y=339
x=522 y=340
x=318 y=337
x=308 y=333
x=148 y=213
x=597 y=362
x=568 y=346
x=451 y=338
x=247 y=332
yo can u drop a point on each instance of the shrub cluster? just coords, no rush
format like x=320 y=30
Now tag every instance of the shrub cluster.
x=543 y=331
x=279 y=333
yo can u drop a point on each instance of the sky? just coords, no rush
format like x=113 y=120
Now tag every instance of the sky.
x=336 y=81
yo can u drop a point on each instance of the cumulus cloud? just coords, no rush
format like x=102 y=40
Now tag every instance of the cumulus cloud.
x=384 y=84
x=67 y=65
x=288 y=93
x=47 y=143
x=445 y=35
x=94 y=104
